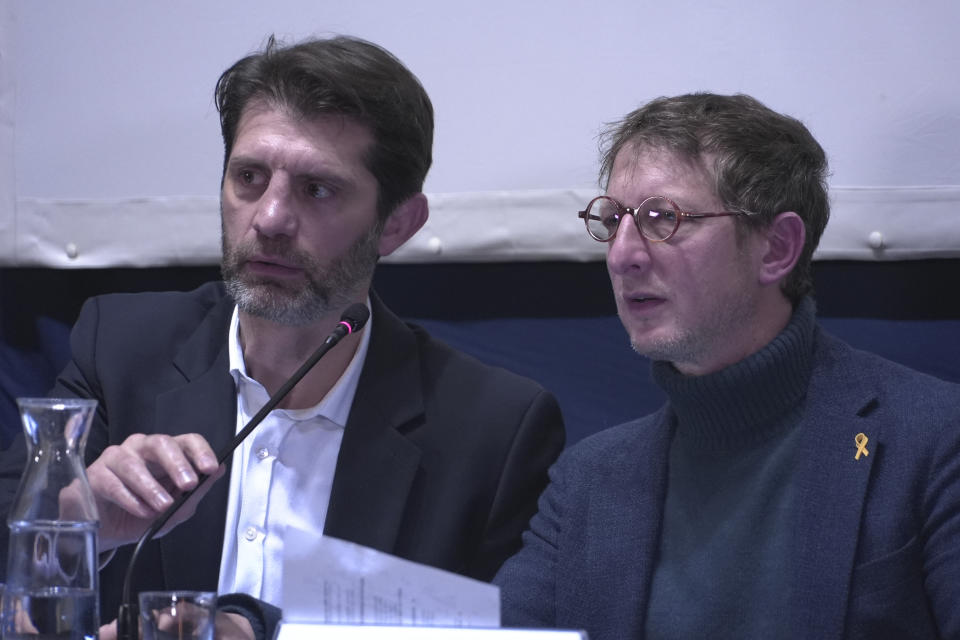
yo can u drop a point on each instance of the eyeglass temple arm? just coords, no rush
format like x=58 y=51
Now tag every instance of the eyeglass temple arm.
x=704 y=214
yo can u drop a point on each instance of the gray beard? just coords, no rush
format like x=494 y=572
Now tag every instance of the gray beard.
x=697 y=343
x=328 y=288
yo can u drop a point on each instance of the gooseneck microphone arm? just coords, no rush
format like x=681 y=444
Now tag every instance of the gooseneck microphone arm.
x=352 y=320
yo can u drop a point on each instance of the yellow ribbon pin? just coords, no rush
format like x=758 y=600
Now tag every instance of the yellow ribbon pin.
x=861 y=441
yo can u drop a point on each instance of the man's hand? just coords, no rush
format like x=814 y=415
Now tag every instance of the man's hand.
x=227 y=626
x=138 y=480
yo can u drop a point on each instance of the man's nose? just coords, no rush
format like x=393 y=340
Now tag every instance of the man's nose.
x=275 y=214
x=629 y=249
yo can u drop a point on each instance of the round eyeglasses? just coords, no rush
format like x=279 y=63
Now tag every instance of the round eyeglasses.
x=657 y=218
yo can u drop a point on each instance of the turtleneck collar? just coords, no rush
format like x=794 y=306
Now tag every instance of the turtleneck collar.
x=741 y=404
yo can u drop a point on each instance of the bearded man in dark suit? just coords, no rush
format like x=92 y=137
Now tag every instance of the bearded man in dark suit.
x=393 y=440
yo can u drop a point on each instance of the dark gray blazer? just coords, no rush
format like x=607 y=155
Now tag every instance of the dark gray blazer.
x=877 y=549
x=442 y=457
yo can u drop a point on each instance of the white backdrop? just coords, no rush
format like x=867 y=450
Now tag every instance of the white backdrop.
x=110 y=151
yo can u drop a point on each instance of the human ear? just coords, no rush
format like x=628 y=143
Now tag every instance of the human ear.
x=404 y=221
x=785 y=237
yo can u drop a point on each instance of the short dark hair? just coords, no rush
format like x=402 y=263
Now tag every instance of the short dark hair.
x=763 y=161
x=347 y=76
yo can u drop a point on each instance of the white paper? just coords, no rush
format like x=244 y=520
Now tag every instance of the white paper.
x=331 y=581
x=302 y=631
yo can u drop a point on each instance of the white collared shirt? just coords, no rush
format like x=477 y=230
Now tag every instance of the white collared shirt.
x=282 y=474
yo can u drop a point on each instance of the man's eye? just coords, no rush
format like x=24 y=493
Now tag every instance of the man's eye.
x=248 y=177
x=318 y=191
x=611 y=222
x=665 y=215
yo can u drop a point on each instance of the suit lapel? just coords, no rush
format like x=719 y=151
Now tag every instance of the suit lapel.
x=832 y=486
x=631 y=505
x=205 y=404
x=377 y=465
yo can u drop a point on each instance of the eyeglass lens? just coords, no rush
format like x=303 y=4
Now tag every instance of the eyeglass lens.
x=657 y=218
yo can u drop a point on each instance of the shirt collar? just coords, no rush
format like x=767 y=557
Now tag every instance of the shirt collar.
x=334 y=406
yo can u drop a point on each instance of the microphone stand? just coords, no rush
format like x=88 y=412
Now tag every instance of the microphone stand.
x=352 y=320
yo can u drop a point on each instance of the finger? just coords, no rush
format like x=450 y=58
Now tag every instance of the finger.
x=199 y=452
x=232 y=626
x=166 y=457
x=22 y=623
x=121 y=476
x=74 y=503
x=110 y=478
x=188 y=508
x=108 y=631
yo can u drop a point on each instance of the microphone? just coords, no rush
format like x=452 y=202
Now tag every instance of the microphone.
x=353 y=319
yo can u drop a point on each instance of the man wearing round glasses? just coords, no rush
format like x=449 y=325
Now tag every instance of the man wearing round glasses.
x=791 y=486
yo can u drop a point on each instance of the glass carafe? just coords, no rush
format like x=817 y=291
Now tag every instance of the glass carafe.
x=52 y=586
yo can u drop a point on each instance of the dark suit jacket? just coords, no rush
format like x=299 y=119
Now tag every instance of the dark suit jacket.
x=877 y=547
x=442 y=458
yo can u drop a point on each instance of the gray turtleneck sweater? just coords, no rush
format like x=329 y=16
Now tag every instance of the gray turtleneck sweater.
x=724 y=559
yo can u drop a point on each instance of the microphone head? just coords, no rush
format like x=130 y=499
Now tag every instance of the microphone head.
x=355 y=316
